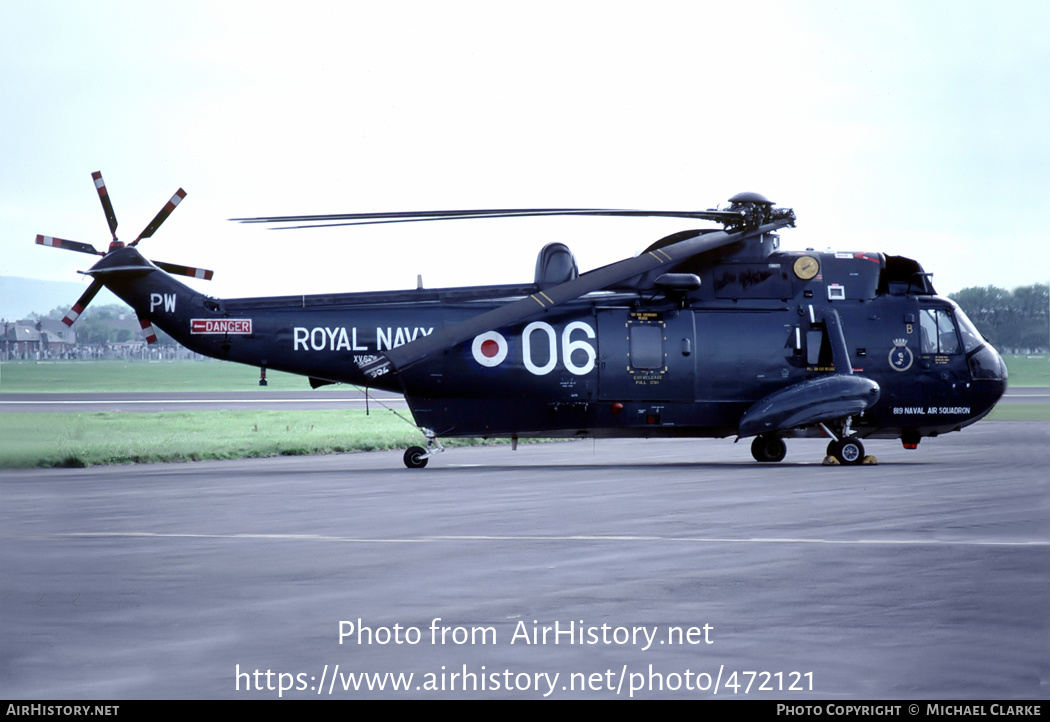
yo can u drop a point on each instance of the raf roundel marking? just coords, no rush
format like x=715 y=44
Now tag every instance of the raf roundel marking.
x=489 y=349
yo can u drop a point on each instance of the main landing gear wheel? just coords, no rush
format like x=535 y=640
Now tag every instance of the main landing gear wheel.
x=415 y=457
x=848 y=451
x=768 y=449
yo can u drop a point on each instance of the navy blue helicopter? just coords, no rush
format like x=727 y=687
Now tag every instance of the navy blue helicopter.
x=706 y=333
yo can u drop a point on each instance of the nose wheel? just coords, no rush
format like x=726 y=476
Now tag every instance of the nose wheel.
x=845 y=447
x=847 y=451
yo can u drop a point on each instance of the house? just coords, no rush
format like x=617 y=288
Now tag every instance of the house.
x=45 y=338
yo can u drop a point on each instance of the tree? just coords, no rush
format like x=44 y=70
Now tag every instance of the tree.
x=105 y=324
x=1009 y=320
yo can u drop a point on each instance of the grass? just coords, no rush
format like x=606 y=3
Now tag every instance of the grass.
x=73 y=377
x=1028 y=370
x=90 y=439
x=1020 y=412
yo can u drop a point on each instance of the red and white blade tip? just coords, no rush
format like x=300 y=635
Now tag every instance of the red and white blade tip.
x=73 y=315
x=200 y=273
x=147 y=329
x=53 y=242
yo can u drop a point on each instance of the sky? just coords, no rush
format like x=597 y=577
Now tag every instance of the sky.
x=911 y=128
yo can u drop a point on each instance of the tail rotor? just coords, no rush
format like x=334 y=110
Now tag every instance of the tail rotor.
x=115 y=246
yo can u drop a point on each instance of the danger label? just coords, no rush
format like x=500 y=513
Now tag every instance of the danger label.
x=221 y=325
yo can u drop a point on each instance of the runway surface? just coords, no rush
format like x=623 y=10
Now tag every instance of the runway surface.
x=666 y=568
x=156 y=402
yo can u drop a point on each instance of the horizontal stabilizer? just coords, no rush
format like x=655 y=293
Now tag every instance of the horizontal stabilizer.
x=822 y=399
x=130 y=270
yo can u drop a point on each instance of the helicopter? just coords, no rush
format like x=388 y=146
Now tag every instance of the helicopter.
x=706 y=333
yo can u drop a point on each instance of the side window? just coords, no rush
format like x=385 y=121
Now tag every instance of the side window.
x=814 y=342
x=647 y=346
x=818 y=348
x=938 y=332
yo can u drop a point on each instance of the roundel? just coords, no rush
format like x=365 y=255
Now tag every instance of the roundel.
x=490 y=349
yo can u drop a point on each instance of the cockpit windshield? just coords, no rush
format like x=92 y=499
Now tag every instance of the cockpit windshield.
x=971 y=337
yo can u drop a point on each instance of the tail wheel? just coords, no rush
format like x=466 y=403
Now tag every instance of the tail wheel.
x=848 y=451
x=768 y=449
x=416 y=457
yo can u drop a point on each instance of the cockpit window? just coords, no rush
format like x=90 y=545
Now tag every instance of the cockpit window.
x=938 y=332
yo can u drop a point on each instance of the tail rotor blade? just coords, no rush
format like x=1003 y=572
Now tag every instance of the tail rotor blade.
x=107 y=204
x=147 y=330
x=69 y=245
x=161 y=217
x=82 y=302
x=184 y=270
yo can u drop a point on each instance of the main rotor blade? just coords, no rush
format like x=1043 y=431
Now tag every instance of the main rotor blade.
x=537 y=303
x=107 y=204
x=70 y=245
x=184 y=270
x=363 y=219
x=400 y=214
x=82 y=302
x=161 y=216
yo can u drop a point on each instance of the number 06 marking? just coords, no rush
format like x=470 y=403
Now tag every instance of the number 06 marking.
x=568 y=348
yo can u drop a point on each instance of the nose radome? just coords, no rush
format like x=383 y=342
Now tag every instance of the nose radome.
x=989 y=378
